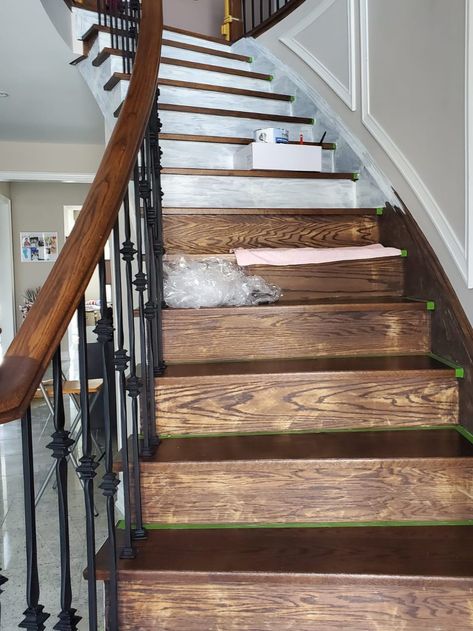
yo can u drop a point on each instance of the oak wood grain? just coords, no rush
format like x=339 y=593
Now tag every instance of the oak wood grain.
x=280 y=402
x=311 y=212
x=304 y=330
x=32 y=349
x=307 y=490
x=215 y=234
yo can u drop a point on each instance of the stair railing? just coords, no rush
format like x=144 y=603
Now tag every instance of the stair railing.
x=128 y=178
x=253 y=17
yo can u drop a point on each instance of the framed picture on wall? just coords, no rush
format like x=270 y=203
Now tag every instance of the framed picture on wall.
x=38 y=247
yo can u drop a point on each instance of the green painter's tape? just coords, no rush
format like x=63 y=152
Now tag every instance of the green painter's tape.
x=459 y=371
x=250 y=60
x=379 y=211
x=430 y=304
x=465 y=433
x=270 y=77
x=342 y=524
x=404 y=253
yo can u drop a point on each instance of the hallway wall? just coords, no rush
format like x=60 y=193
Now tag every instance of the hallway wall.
x=202 y=16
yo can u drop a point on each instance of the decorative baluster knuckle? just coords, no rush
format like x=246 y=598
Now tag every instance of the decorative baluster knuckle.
x=87 y=468
x=110 y=483
x=134 y=386
x=104 y=331
x=144 y=189
x=61 y=444
x=140 y=282
x=121 y=360
x=151 y=310
x=128 y=251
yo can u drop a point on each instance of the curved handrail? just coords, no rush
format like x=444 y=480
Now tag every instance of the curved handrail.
x=274 y=18
x=34 y=345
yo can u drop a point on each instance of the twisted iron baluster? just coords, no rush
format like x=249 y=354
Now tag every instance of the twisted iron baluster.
x=61 y=446
x=35 y=616
x=87 y=467
x=134 y=383
x=110 y=481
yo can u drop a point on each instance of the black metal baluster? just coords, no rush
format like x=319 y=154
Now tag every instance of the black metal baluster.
x=35 y=616
x=261 y=15
x=133 y=384
x=87 y=467
x=141 y=284
x=60 y=446
x=155 y=127
x=121 y=365
x=110 y=481
x=243 y=12
x=3 y=580
x=253 y=12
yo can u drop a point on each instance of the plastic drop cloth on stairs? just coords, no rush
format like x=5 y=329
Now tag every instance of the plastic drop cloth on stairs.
x=214 y=282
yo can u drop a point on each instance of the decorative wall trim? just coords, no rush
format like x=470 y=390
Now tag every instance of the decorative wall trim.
x=346 y=93
x=469 y=140
x=46 y=176
x=460 y=252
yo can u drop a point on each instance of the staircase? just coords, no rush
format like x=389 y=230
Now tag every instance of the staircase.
x=312 y=472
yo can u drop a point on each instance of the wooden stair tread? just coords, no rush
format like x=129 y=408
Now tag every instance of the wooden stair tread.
x=108 y=52
x=307 y=175
x=210 y=87
x=209 y=38
x=205 y=50
x=416 y=444
x=337 y=305
x=212 y=111
x=382 y=364
x=169 y=210
x=196 y=65
x=433 y=552
x=231 y=140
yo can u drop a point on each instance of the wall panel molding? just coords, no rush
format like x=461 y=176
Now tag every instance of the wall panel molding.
x=461 y=252
x=347 y=93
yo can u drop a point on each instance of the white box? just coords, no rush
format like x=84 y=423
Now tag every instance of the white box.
x=280 y=157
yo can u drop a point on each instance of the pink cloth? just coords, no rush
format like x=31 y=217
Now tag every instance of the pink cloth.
x=311 y=256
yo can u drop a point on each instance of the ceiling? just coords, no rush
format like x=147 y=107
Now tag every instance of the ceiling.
x=49 y=101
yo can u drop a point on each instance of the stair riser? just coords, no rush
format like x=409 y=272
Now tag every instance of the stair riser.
x=203 y=58
x=269 y=332
x=209 y=125
x=213 y=234
x=308 y=491
x=251 y=192
x=206 y=155
x=196 y=41
x=288 y=403
x=221 y=100
x=243 y=603
x=352 y=279
x=197 y=75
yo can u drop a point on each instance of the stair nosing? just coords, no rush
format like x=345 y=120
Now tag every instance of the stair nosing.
x=215 y=52
x=257 y=76
x=233 y=140
x=210 y=87
x=308 y=175
x=357 y=212
x=212 y=111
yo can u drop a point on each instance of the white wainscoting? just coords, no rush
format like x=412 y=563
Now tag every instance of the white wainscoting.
x=345 y=90
x=461 y=252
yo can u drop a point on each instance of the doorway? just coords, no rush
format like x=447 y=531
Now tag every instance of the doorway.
x=7 y=282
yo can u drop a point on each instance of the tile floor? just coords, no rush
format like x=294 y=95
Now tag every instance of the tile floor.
x=12 y=537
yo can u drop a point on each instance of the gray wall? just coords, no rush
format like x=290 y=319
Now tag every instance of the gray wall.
x=5 y=189
x=410 y=114
x=201 y=16
x=39 y=206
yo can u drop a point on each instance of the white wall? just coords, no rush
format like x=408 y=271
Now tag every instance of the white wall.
x=7 y=302
x=394 y=73
x=201 y=16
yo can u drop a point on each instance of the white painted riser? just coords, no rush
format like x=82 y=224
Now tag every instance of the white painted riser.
x=185 y=123
x=169 y=71
x=203 y=98
x=241 y=192
x=182 y=53
x=206 y=155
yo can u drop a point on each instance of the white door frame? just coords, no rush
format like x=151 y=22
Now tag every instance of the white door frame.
x=7 y=278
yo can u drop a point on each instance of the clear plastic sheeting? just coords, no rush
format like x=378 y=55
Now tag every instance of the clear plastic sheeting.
x=214 y=282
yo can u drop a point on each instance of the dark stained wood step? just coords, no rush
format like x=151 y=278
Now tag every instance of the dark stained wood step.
x=332 y=579
x=304 y=175
x=307 y=330
x=195 y=65
x=208 y=38
x=314 y=212
x=330 y=146
x=212 y=111
x=210 y=87
x=115 y=80
x=95 y=29
x=220 y=233
x=304 y=395
x=339 y=477
x=107 y=52
x=205 y=50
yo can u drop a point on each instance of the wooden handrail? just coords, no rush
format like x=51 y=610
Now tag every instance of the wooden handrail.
x=35 y=343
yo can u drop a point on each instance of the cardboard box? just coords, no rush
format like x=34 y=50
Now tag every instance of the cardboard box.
x=281 y=157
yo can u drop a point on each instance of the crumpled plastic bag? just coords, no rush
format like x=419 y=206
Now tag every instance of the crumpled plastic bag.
x=213 y=282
